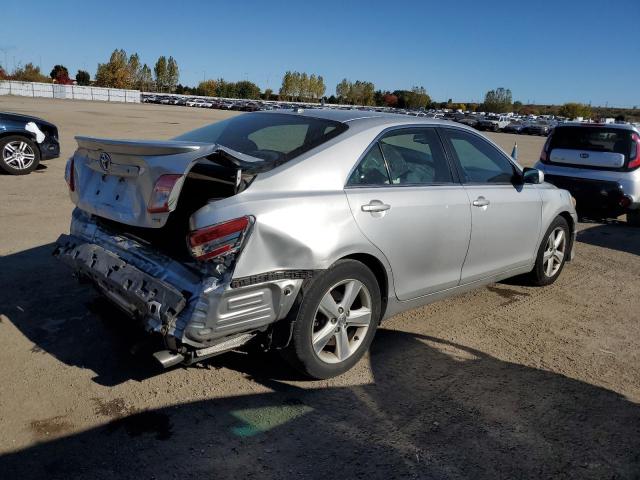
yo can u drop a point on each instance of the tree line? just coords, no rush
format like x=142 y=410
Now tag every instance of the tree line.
x=124 y=71
x=302 y=87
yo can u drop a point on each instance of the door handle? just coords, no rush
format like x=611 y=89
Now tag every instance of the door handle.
x=480 y=202
x=375 y=206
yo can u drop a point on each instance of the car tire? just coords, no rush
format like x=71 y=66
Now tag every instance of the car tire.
x=552 y=249
x=26 y=162
x=325 y=326
x=633 y=218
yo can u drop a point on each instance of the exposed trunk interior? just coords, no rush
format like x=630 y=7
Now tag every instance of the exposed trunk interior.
x=205 y=182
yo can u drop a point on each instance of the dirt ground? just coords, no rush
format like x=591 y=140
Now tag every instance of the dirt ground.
x=505 y=382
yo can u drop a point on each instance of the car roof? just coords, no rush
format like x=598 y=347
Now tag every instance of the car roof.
x=362 y=116
x=620 y=126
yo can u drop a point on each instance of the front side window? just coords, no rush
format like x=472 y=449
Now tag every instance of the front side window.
x=481 y=162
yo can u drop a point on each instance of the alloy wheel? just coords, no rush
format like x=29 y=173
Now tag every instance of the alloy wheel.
x=341 y=321
x=18 y=154
x=554 y=253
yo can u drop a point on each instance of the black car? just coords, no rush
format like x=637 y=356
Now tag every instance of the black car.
x=25 y=141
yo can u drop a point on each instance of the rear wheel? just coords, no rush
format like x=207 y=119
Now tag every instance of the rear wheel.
x=552 y=253
x=336 y=320
x=633 y=218
x=18 y=155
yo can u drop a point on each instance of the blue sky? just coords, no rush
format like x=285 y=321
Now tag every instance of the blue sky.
x=545 y=51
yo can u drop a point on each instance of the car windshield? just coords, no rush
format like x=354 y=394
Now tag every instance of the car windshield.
x=600 y=139
x=273 y=137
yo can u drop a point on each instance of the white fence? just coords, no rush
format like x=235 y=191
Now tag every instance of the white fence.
x=75 y=92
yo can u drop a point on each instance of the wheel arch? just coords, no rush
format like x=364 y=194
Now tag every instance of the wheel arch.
x=379 y=271
x=23 y=133
x=572 y=229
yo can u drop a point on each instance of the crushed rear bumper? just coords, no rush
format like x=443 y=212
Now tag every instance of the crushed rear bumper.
x=193 y=308
x=134 y=291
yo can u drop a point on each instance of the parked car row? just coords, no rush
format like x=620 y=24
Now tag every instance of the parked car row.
x=219 y=103
x=507 y=124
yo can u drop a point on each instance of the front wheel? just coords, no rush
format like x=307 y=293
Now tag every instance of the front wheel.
x=18 y=155
x=335 y=321
x=552 y=253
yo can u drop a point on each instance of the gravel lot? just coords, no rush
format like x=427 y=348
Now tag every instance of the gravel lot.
x=505 y=382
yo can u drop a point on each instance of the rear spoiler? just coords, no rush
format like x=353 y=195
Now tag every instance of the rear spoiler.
x=219 y=154
x=138 y=147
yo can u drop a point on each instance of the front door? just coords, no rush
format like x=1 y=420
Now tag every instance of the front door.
x=505 y=214
x=404 y=199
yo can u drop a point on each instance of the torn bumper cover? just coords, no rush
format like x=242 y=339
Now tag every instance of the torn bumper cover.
x=192 y=309
x=133 y=290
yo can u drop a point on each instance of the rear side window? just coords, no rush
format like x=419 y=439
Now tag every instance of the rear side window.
x=595 y=139
x=480 y=161
x=371 y=170
x=276 y=137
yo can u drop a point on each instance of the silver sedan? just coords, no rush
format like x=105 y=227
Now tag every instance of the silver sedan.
x=305 y=229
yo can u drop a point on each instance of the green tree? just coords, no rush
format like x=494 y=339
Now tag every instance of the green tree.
x=247 y=89
x=3 y=73
x=160 y=70
x=83 y=78
x=145 y=81
x=498 y=100
x=135 y=70
x=268 y=93
x=286 y=89
x=173 y=74
x=115 y=73
x=342 y=90
x=29 y=73
x=321 y=88
x=574 y=110
x=59 y=71
x=208 y=88
x=517 y=105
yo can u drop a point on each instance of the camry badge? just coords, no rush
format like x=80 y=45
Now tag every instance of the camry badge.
x=584 y=155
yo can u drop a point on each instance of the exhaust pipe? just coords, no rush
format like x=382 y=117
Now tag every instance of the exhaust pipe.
x=168 y=359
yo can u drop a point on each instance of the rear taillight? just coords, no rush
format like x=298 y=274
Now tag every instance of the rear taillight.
x=69 y=175
x=219 y=240
x=544 y=155
x=159 y=201
x=634 y=157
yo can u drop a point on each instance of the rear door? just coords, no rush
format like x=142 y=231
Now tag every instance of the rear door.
x=404 y=198
x=505 y=215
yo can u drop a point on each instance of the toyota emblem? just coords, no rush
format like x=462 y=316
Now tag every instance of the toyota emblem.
x=105 y=161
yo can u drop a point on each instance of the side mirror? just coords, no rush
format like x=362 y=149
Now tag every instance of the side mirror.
x=532 y=175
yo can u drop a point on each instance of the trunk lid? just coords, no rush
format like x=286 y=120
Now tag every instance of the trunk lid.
x=115 y=179
x=590 y=146
x=587 y=158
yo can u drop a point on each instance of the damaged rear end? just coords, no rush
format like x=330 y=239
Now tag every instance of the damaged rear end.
x=131 y=237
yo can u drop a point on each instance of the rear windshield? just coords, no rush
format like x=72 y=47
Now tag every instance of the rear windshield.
x=273 y=137
x=595 y=139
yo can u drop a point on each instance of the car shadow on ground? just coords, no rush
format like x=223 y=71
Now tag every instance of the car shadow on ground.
x=434 y=410
x=71 y=321
x=613 y=234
